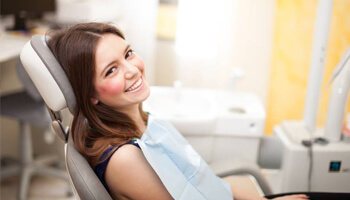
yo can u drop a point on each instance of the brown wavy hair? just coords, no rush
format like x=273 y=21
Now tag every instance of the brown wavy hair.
x=94 y=127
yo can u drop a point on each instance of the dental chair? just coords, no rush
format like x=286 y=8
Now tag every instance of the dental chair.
x=54 y=87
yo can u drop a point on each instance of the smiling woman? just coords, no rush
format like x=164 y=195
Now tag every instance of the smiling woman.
x=107 y=69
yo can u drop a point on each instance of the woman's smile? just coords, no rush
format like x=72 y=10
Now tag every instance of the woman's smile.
x=136 y=86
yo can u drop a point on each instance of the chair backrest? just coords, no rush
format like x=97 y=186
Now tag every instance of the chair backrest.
x=54 y=87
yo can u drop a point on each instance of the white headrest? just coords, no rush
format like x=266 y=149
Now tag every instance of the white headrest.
x=47 y=75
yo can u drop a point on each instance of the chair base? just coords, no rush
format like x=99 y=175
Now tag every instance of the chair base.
x=29 y=167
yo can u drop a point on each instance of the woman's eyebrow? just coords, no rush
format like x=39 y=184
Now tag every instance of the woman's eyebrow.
x=111 y=63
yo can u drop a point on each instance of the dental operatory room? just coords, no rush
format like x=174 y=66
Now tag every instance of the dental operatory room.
x=175 y=99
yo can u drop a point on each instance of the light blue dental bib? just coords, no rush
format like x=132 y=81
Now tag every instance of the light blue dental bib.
x=183 y=172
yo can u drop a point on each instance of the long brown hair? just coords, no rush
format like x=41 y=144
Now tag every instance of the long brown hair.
x=94 y=127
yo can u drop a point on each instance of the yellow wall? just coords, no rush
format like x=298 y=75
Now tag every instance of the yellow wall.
x=291 y=58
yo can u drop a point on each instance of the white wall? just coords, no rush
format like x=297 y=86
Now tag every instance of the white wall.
x=213 y=38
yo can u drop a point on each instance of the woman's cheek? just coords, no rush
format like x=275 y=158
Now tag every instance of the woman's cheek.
x=111 y=88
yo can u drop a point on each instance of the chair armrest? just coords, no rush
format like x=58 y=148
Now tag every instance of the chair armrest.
x=228 y=167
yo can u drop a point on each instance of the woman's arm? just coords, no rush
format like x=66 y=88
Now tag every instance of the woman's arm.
x=129 y=175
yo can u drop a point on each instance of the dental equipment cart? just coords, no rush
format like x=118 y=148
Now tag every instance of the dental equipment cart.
x=323 y=167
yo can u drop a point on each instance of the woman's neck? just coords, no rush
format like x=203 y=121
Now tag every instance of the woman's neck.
x=140 y=123
x=135 y=115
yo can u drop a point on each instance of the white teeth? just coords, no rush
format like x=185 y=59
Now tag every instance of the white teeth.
x=135 y=86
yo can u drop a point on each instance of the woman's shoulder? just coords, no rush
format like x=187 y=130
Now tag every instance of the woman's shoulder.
x=124 y=164
x=105 y=157
x=111 y=149
x=121 y=160
x=129 y=174
x=125 y=154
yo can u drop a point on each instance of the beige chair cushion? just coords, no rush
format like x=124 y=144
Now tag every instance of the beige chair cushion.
x=245 y=183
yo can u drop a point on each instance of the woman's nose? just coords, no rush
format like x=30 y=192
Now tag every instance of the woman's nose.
x=130 y=71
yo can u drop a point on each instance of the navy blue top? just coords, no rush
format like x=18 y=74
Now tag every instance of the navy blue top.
x=100 y=169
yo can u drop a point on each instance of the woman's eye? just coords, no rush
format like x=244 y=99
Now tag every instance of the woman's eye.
x=129 y=53
x=110 y=70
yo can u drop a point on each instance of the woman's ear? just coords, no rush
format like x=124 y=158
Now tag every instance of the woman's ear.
x=94 y=101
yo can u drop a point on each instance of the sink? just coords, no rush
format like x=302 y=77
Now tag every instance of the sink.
x=240 y=114
x=196 y=111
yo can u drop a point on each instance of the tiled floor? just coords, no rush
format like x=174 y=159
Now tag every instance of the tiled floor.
x=41 y=188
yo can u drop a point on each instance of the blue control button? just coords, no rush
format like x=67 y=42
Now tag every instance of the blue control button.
x=334 y=166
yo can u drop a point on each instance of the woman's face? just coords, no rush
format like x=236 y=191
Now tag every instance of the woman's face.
x=119 y=76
